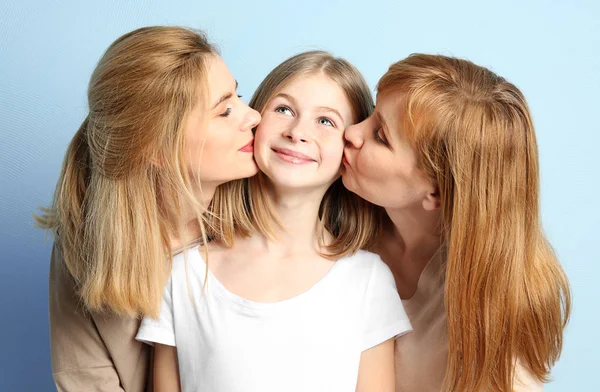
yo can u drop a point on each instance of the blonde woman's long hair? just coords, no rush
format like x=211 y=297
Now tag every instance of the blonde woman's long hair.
x=352 y=221
x=507 y=297
x=125 y=179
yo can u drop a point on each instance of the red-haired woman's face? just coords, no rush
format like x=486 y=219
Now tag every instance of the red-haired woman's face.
x=380 y=165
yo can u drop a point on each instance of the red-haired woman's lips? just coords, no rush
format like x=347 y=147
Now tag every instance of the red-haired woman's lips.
x=345 y=160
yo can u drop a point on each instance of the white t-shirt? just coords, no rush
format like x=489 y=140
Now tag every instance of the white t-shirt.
x=309 y=343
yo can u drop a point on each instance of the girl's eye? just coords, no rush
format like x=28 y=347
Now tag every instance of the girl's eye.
x=284 y=110
x=325 y=121
x=226 y=113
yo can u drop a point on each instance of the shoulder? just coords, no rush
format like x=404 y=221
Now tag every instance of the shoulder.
x=187 y=267
x=525 y=381
x=368 y=261
x=64 y=298
x=183 y=260
x=364 y=259
x=59 y=273
x=368 y=266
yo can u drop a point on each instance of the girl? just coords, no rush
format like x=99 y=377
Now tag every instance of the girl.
x=301 y=309
x=450 y=153
x=165 y=128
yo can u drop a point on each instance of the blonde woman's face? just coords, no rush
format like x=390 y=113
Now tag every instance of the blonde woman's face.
x=221 y=150
x=379 y=164
x=299 y=142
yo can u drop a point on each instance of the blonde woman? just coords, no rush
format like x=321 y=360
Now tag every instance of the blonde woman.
x=165 y=128
x=302 y=309
x=450 y=153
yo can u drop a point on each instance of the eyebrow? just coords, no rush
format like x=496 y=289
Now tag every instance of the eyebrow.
x=286 y=96
x=331 y=110
x=225 y=97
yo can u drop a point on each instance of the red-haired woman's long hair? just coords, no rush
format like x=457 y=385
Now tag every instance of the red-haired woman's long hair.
x=507 y=297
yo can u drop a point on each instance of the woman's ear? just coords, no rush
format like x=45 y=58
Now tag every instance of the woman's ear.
x=432 y=199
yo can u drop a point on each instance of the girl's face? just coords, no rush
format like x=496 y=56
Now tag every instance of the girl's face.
x=221 y=149
x=379 y=163
x=299 y=143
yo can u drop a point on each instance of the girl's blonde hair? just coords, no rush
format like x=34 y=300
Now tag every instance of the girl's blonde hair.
x=507 y=297
x=352 y=221
x=125 y=179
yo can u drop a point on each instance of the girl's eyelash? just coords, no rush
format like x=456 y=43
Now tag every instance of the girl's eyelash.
x=328 y=119
x=239 y=96
x=283 y=107
x=226 y=113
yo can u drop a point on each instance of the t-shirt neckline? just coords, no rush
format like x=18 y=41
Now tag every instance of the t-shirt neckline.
x=254 y=306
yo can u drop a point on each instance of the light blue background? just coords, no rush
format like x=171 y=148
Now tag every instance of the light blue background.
x=48 y=49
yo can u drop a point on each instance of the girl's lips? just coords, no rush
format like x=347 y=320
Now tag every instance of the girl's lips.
x=292 y=156
x=248 y=147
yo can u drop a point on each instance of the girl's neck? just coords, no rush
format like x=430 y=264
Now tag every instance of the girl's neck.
x=298 y=214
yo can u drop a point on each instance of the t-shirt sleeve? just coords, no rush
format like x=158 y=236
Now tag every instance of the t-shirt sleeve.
x=161 y=330
x=384 y=314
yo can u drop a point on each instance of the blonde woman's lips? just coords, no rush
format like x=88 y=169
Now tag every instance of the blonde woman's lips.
x=249 y=147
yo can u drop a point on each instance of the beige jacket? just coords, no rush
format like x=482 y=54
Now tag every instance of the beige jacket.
x=92 y=352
